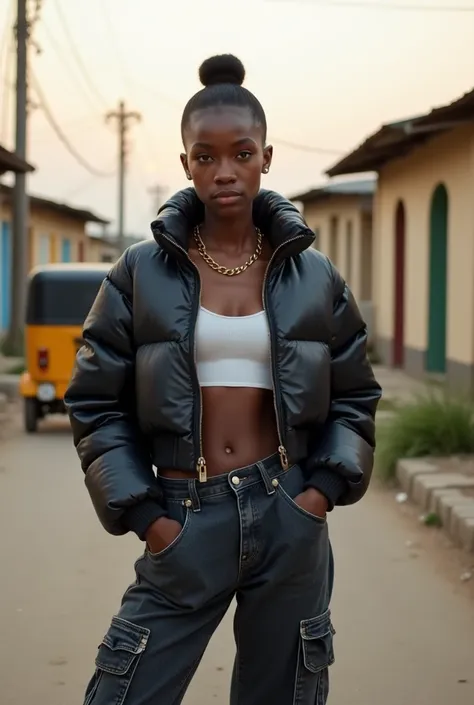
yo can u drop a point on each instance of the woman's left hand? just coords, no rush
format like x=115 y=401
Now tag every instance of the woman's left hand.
x=313 y=502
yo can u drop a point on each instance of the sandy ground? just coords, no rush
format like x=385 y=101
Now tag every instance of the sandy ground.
x=404 y=619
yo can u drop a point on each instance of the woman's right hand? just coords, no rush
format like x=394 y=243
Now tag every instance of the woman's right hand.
x=162 y=533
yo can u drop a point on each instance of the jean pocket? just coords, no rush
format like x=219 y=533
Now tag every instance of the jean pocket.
x=175 y=543
x=183 y=515
x=316 y=655
x=299 y=510
x=117 y=660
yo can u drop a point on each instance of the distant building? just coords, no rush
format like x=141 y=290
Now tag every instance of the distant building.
x=106 y=249
x=340 y=214
x=102 y=248
x=56 y=233
x=424 y=240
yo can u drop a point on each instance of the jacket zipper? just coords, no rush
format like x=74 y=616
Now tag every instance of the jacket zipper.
x=201 y=466
x=278 y=415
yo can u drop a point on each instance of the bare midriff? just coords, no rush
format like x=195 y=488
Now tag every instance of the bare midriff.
x=238 y=428
x=238 y=423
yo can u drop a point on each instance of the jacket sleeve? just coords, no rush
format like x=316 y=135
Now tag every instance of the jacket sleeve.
x=100 y=402
x=341 y=465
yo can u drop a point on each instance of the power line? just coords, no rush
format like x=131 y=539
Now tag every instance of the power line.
x=120 y=61
x=59 y=50
x=79 y=188
x=307 y=148
x=77 y=56
x=275 y=140
x=384 y=5
x=172 y=101
x=59 y=132
x=175 y=103
x=129 y=85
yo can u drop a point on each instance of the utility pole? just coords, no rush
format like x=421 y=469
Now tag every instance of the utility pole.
x=14 y=340
x=124 y=119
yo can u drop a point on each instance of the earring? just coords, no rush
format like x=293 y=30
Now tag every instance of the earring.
x=188 y=176
x=265 y=170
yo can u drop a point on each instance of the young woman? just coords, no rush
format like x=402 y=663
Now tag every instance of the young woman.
x=229 y=355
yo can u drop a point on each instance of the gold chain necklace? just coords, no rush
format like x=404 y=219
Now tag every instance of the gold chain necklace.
x=228 y=272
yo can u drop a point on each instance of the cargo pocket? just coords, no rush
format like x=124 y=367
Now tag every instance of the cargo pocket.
x=316 y=654
x=117 y=660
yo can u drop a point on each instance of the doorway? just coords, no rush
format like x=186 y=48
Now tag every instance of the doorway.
x=65 y=250
x=399 y=291
x=438 y=281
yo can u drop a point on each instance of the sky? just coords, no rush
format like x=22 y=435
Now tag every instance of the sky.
x=327 y=76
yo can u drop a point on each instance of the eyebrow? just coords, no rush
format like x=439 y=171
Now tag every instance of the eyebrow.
x=204 y=145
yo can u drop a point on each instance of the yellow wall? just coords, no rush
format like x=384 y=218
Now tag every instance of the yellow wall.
x=448 y=159
x=46 y=231
x=46 y=223
x=333 y=241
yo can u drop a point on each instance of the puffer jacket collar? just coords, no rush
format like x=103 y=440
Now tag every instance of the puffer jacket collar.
x=277 y=218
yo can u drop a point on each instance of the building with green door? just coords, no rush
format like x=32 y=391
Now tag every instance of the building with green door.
x=423 y=253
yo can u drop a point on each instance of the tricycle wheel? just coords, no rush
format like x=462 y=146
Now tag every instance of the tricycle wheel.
x=31 y=415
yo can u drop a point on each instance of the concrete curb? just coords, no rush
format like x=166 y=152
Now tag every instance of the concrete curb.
x=441 y=493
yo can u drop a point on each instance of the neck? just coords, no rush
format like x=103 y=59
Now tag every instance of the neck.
x=232 y=236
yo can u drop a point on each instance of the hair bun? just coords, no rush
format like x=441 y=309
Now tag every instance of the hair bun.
x=225 y=68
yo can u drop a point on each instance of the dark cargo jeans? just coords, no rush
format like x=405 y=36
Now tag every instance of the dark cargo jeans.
x=242 y=536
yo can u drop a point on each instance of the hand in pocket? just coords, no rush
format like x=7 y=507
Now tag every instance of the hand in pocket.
x=313 y=502
x=162 y=533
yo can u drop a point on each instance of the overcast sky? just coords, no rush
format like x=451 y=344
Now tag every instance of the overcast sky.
x=326 y=76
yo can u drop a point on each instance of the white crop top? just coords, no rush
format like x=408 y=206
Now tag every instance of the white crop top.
x=233 y=351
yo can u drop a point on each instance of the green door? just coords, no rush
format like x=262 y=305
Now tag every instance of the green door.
x=436 y=353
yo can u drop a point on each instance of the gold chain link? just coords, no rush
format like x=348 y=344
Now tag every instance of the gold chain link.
x=228 y=272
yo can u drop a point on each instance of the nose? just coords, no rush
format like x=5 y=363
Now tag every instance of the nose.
x=224 y=175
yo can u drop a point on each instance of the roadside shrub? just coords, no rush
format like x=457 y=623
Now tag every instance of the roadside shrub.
x=433 y=424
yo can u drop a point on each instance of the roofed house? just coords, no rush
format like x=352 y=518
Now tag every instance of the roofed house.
x=424 y=240
x=340 y=214
x=56 y=233
x=102 y=248
x=9 y=161
x=106 y=248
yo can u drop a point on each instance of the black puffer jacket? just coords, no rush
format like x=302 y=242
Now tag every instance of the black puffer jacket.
x=134 y=399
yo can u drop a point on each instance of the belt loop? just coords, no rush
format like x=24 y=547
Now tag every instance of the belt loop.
x=266 y=478
x=193 y=494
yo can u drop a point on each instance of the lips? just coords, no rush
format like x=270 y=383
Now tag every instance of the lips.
x=227 y=198
x=227 y=194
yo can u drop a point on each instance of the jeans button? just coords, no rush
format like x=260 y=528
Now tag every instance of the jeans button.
x=236 y=480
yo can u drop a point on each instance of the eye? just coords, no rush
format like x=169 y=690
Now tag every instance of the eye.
x=204 y=159
x=244 y=155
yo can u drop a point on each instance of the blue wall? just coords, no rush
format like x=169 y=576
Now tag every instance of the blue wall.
x=5 y=274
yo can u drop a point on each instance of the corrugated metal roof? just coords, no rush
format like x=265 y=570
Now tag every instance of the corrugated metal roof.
x=85 y=216
x=396 y=139
x=365 y=187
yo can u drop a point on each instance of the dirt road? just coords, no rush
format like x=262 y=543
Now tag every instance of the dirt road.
x=405 y=625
